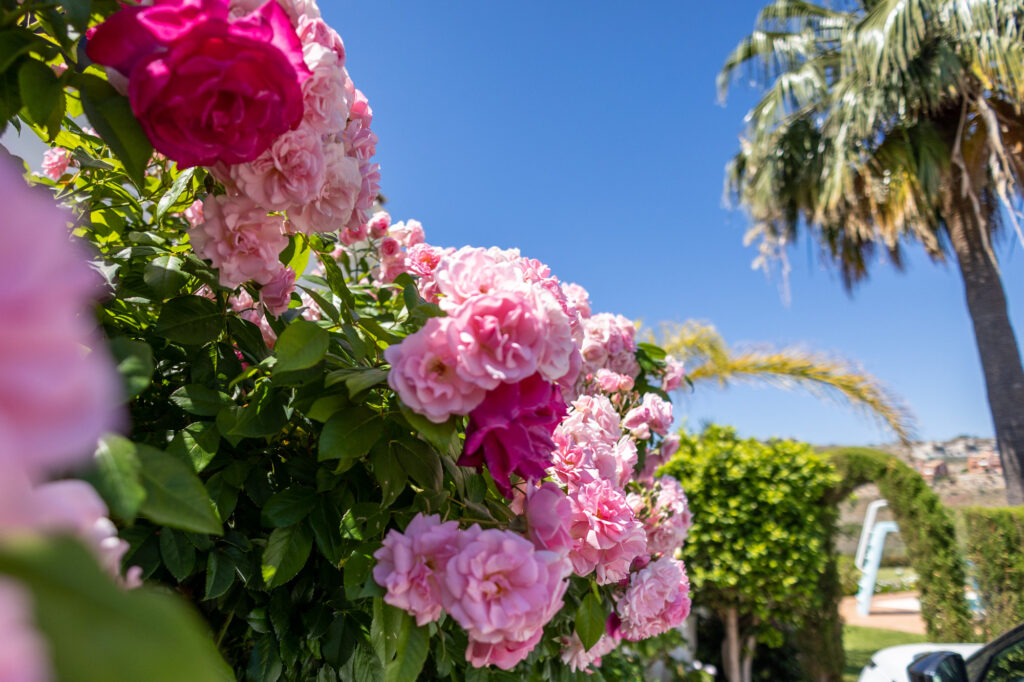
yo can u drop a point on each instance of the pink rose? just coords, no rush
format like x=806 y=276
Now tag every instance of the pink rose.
x=579 y=658
x=314 y=30
x=665 y=513
x=389 y=247
x=510 y=431
x=56 y=162
x=276 y=294
x=205 y=87
x=378 y=224
x=571 y=464
x=578 y=298
x=291 y=173
x=423 y=258
x=240 y=239
x=423 y=373
x=498 y=338
x=675 y=370
x=333 y=207
x=653 y=414
x=655 y=458
x=503 y=592
x=58 y=386
x=548 y=517
x=24 y=655
x=656 y=600
x=325 y=98
x=607 y=535
x=194 y=213
x=408 y=233
x=410 y=565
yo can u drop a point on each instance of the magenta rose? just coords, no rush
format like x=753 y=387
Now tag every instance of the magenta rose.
x=206 y=88
x=510 y=431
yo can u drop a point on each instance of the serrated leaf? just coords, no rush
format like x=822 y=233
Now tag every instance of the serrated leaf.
x=190 y=320
x=111 y=115
x=357 y=379
x=286 y=553
x=302 y=344
x=442 y=436
x=200 y=400
x=421 y=461
x=350 y=434
x=178 y=553
x=134 y=363
x=41 y=93
x=175 y=496
x=410 y=653
x=590 y=620
x=171 y=196
x=326 y=524
x=265 y=415
x=264 y=661
x=288 y=507
x=197 y=444
x=164 y=276
x=117 y=476
x=220 y=574
x=389 y=474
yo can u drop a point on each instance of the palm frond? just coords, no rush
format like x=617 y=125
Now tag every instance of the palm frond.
x=710 y=360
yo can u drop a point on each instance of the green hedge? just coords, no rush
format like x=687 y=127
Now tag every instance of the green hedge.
x=995 y=545
x=926 y=526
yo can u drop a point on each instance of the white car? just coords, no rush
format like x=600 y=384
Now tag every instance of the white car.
x=1001 y=660
x=890 y=665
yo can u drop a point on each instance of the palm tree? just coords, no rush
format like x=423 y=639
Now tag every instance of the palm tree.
x=710 y=360
x=885 y=122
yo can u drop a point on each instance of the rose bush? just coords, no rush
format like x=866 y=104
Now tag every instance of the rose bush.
x=360 y=455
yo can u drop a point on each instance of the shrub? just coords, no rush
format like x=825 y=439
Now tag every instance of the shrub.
x=995 y=547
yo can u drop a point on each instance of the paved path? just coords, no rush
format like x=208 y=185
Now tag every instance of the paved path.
x=895 y=611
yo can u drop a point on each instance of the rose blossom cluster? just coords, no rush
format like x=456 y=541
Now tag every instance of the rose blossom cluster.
x=507 y=348
x=56 y=398
x=492 y=582
x=665 y=513
x=258 y=92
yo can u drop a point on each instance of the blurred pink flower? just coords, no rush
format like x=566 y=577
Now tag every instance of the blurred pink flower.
x=378 y=224
x=194 y=213
x=578 y=298
x=675 y=370
x=580 y=659
x=24 y=654
x=276 y=294
x=656 y=600
x=56 y=162
x=240 y=239
x=607 y=536
x=410 y=565
x=510 y=431
x=548 y=517
x=653 y=414
x=59 y=390
x=506 y=654
x=325 y=98
x=423 y=373
x=665 y=513
x=251 y=311
x=408 y=233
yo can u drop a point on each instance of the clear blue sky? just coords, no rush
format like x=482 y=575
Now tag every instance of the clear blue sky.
x=589 y=135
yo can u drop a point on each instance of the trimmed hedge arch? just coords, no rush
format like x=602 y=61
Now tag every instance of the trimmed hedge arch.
x=927 y=529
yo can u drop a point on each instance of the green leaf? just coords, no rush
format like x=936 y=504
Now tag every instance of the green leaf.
x=117 y=476
x=190 y=320
x=134 y=362
x=248 y=337
x=200 y=400
x=442 y=436
x=590 y=620
x=175 y=496
x=78 y=12
x=350 y=434
x=265 y=415
x=326 y=524
x=288 y=507
x=296 y=254
x=178 y=554
x=356 y=573
x=326 y=306
x=220 y=574
x=336 y=281
x=357 y=379
x=163 y=274
x=171 y=196
x=286 y=553
x=302 y=344
x=264 y=661
x=654 y=352
x=111 y=115
x=410 y=653
x=142 y=634
x=197 y=444
x=421 y=461
x=41 y=94
x=15 y=42
x=389 y=474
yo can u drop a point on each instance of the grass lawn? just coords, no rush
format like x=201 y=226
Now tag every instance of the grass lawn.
x=859 y=643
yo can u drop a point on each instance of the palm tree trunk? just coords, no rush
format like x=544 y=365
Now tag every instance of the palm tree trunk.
x=997 y=345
